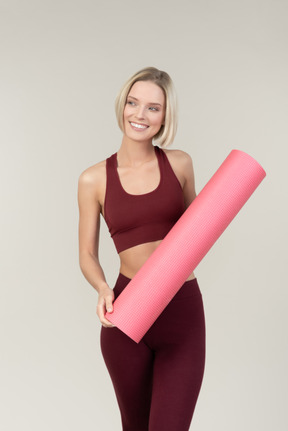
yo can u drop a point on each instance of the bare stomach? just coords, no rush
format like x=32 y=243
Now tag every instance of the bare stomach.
x=132 y=259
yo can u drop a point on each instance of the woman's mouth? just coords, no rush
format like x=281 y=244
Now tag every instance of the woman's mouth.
x=137 y=126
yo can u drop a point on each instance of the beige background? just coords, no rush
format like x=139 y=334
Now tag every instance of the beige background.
x=62 y=63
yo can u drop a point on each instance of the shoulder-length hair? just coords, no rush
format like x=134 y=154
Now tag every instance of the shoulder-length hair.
x=167 y=132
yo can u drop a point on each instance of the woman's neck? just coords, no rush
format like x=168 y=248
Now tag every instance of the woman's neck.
x=135 y=153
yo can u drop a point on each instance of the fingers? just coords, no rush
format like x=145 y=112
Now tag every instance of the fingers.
x=105 y=303
x=106 y=323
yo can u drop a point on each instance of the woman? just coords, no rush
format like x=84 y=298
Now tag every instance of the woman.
x=141 y=191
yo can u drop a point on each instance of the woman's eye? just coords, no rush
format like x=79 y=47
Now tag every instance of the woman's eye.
x=151 y=108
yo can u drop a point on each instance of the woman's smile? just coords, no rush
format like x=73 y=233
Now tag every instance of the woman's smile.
x=138 y=126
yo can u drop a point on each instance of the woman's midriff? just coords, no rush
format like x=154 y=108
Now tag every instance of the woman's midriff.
x=132 y=259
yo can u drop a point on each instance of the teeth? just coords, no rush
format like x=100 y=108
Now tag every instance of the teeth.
x=139 y=126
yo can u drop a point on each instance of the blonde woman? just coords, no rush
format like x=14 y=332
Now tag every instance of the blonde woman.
x=141 y=191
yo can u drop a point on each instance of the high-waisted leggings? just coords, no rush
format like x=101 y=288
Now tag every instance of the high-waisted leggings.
x=157 y=382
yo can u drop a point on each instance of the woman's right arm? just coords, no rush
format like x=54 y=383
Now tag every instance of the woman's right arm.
x=89 y=227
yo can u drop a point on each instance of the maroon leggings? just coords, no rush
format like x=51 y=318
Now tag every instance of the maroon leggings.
x=157 y=381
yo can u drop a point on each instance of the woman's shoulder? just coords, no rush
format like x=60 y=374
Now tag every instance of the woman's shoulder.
x=93 y=172
x=182 y=165
x=179 y=157
x=93 y=178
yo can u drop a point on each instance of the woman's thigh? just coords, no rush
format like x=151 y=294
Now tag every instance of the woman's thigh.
x=178 y=338
x=130 y=366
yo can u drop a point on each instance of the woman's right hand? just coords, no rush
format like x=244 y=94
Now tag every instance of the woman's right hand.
x=105 y=303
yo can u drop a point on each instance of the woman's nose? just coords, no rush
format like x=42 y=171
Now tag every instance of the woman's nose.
x=140 y=112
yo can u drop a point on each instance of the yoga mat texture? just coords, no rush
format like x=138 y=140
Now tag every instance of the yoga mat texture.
x=164 y=272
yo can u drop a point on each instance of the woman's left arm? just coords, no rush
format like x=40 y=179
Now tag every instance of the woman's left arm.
x=189 y=183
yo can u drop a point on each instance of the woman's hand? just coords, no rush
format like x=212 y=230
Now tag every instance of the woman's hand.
x=105 y=303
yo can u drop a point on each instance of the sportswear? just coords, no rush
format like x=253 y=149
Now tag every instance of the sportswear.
x=136 y=219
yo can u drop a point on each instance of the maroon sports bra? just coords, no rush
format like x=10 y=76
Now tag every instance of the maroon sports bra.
x=138 y=219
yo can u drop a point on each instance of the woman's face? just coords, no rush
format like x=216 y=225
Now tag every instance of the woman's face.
x=144 y=112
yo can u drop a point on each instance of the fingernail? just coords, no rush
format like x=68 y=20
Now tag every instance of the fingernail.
x=109 y=310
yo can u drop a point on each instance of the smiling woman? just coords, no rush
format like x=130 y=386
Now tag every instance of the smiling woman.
x=141 y=191
x=162 y=80
x=144 y=113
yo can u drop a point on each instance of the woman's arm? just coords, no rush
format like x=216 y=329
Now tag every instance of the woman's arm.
x=189 y=183
x=89 y=227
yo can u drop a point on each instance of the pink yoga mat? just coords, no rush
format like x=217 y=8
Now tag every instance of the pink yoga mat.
x=159 y=279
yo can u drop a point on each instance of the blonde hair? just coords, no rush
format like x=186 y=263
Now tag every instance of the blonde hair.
x=167 y=132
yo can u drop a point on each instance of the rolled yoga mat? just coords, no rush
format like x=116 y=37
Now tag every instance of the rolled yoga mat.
x=164 y=272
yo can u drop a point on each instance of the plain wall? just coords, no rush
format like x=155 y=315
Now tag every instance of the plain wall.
x=62 y=64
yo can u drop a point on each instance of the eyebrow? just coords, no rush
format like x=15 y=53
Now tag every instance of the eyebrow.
x=150 y=103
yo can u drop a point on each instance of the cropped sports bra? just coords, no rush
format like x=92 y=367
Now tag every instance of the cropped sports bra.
x=137 y=219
